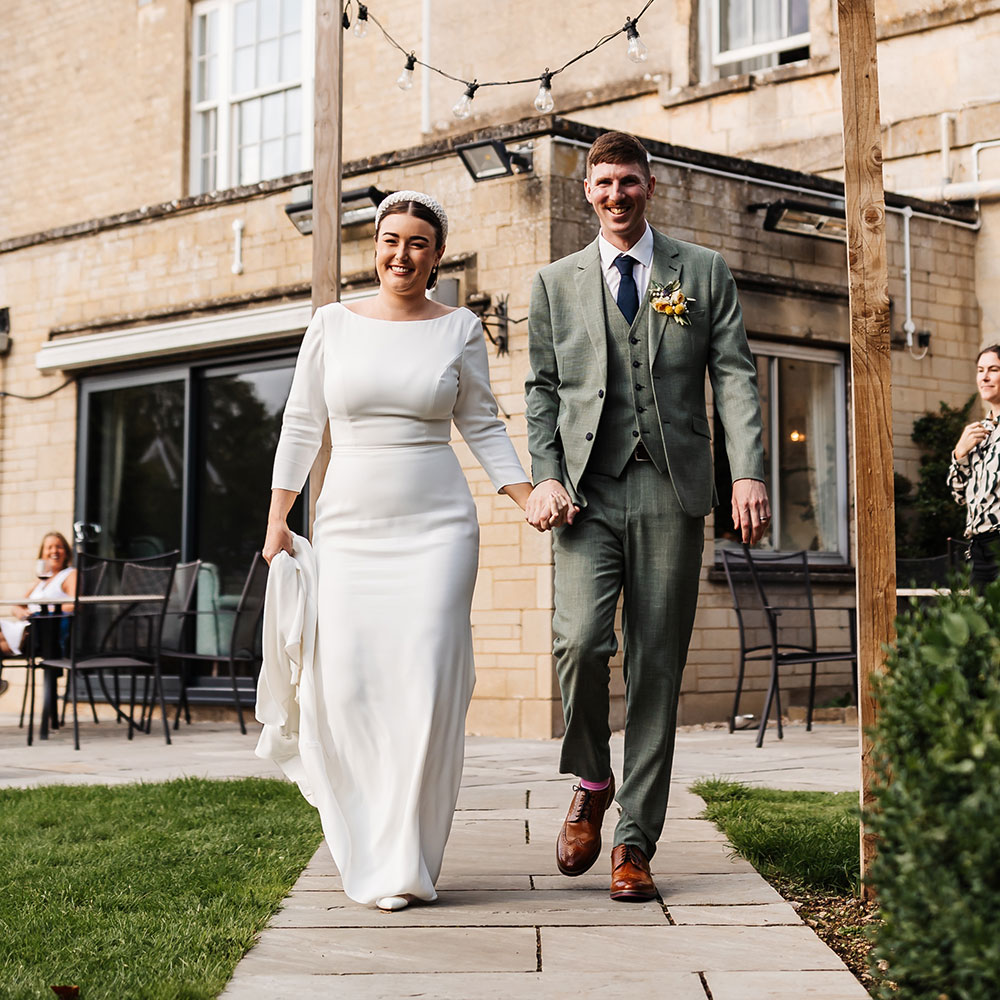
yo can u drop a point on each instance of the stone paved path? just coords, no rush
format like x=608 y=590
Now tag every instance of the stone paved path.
x=507 y=925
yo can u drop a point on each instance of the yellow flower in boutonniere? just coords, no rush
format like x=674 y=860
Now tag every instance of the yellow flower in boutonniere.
x=671 y=301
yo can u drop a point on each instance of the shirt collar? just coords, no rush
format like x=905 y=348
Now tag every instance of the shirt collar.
x=641 y=250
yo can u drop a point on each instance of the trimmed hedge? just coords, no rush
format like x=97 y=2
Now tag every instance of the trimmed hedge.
x=937 y=802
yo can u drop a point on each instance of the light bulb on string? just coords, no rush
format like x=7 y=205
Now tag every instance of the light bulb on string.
x=405 y=79
x=543 y=99
x=361 y=22
x=463 y=106
x=637 y=50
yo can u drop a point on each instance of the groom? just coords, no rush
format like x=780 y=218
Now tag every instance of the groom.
x=621 y=336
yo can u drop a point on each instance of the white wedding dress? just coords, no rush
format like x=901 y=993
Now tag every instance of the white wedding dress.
x=381 y=732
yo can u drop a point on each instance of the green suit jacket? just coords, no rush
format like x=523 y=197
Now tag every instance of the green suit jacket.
x=569 y=364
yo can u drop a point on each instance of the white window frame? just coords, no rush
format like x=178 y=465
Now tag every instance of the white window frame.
x=836 y=360
x=726 y=57
x=226 y=108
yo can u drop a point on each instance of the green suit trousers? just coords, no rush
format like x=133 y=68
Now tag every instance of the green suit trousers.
x=633 y=538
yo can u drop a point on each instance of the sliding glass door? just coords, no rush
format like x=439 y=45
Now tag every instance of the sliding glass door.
x=134 y=474
x=180 y=458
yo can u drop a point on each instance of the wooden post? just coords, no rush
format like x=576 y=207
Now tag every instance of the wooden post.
x=327 y=153
x=328 y=116
x=870 y=364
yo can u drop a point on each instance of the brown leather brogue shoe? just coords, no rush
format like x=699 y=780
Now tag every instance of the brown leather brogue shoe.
x=579 y=842
x=630 y=878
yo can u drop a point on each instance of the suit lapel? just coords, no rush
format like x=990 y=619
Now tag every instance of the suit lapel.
x=666 y=268
x=590 y=288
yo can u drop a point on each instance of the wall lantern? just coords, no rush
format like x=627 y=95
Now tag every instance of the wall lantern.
x=5 y=341
x=803 y=218
x=491 y=158
x=356 y=206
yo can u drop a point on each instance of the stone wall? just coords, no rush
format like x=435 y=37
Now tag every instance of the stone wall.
x=95 y=123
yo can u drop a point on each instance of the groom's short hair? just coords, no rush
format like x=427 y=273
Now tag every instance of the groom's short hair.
x=618 y=147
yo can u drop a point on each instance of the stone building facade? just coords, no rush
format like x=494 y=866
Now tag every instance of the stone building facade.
x=168 y=294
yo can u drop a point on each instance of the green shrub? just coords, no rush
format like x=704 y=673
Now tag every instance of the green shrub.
x=927 y=516
x=937 y=802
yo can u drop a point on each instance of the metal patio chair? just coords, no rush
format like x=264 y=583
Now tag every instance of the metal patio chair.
x=117 y=627
x=242 y=658
x=779 y=630
x=178 y=625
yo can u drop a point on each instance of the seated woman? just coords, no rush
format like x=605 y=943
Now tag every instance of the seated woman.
x=56 y=584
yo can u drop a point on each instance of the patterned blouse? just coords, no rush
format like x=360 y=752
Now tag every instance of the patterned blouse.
x=975 y=484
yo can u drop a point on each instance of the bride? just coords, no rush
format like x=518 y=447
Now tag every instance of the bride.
x=396 y=540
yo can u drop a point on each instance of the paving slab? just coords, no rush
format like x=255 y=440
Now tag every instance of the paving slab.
x=809 y=985
x=470 y=907
x=702 y=889
x=671 y=859
x=285 y=951
x=747 y=915
x=696 y=949
x=460 y=986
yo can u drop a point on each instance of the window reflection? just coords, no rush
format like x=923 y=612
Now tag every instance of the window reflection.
x=135 y=468
x=803 y=407
x=240 y=419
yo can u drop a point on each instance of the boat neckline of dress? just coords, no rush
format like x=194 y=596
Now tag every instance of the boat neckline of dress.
x=398 y=322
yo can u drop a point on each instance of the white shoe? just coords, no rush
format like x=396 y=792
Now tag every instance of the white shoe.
x=390 y=903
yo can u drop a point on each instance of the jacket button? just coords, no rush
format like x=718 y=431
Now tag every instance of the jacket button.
x=589 y=436
x=635 y=434
x=600 y=394
x=635 y=364
x=633 y=340
x=639 y=388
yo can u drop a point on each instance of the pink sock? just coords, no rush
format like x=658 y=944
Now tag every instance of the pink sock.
x=595 y=786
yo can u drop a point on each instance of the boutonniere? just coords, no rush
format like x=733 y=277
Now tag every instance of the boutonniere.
x=671 y=301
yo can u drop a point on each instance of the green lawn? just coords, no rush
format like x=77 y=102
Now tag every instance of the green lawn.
x=143 y=892
x=806 y=839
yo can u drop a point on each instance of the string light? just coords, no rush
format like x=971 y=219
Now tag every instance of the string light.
x=543 y=99
x=361 y=23
x=636 y=51
x=405 y=79
x=463 y=106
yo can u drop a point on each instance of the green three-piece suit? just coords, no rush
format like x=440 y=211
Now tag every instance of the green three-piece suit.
x=597 y=389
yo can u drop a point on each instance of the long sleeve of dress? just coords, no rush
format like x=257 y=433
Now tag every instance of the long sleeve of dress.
x=475 y=415
x=305 y=413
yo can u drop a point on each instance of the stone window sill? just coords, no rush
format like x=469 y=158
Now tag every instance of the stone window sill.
x=672 y=97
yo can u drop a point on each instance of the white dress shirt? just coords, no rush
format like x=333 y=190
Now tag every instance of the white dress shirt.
x=641 y=252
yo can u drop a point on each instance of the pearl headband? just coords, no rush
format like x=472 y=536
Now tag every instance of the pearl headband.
x=421 y=199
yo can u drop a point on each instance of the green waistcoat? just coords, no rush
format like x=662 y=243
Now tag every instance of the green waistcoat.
x=629 y=413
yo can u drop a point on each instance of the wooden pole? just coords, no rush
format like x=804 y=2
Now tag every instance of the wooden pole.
x=870 y=364
x=327 y=153
x=328 y=116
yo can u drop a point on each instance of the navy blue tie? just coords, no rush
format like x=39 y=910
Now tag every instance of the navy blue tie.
x=628 y=294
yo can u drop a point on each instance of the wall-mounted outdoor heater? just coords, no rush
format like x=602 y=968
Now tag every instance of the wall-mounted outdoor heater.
x=355 y=206
x=490 y=158
x=804 y=218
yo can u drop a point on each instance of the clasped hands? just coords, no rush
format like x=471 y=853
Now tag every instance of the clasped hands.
x=549 y=506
